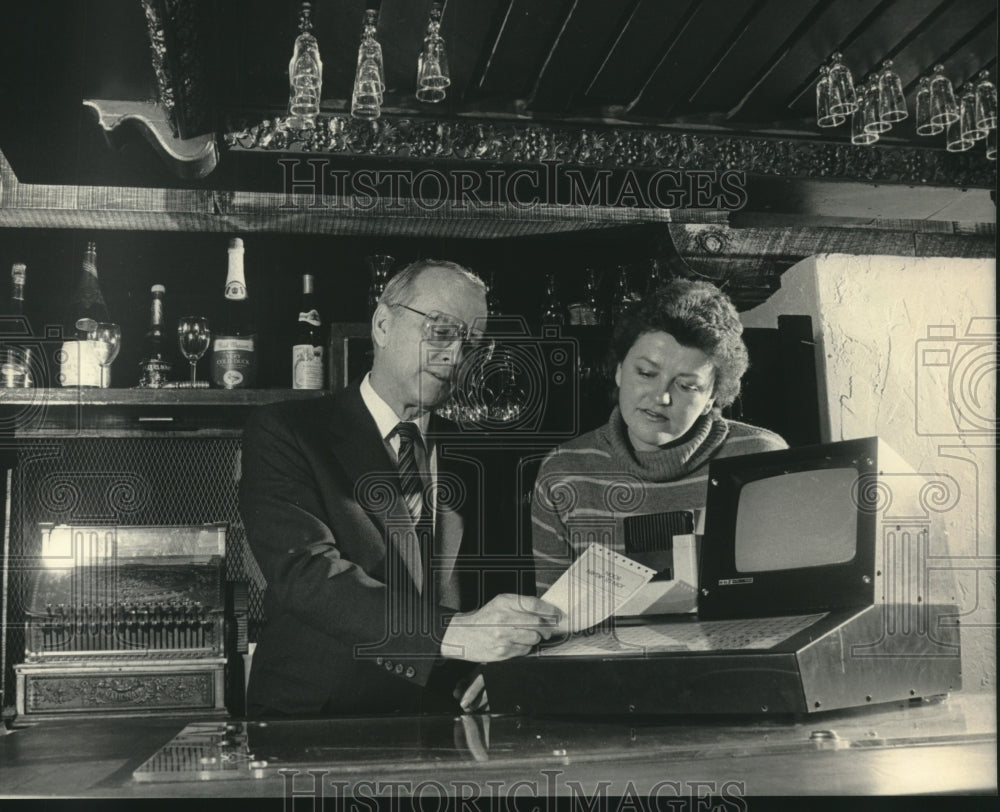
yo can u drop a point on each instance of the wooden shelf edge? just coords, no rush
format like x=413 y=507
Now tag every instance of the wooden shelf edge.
x=87 y=397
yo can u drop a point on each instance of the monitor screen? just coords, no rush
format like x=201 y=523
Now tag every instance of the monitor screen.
x=785 y=533
x=796 y=519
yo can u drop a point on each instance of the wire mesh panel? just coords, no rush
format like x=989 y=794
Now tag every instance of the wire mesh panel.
x=120 y=481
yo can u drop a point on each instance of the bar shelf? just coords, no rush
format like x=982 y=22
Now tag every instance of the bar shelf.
x=62 y=413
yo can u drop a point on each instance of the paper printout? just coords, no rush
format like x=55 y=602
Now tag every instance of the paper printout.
x=593 y=588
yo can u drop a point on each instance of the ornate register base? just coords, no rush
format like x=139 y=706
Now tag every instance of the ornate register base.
x=129 y=620
x=51 y=689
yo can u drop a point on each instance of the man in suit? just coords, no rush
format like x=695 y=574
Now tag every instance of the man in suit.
x=349 y=500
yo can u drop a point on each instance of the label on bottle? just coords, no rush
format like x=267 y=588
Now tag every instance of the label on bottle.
x=78 y=364
x=235 y=289
x=582 y=313
x=307 y=367
x=234 y=361
x=310 y=317
x=154 y=373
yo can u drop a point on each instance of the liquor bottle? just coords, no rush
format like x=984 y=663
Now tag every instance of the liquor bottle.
x=88 y=303
x=588 y=310
x=553 y=311
x=155 y=366
x=234 y=345
x=307 y=352
x=15 y=366
x=624 y=296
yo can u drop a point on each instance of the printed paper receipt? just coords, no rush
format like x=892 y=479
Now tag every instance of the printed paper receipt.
x=593 y=588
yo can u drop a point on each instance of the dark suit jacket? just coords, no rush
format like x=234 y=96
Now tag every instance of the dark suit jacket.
x=348 y=630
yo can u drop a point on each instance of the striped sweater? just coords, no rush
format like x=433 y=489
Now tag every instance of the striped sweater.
x=588 y=486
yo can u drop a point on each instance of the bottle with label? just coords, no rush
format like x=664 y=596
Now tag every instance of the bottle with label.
x=307 y=351
x=234 y=345
x=78 y=361
x=155 y=365
x=15 y=361
x=553 y=311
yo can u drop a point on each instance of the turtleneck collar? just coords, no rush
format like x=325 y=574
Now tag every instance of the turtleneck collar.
x=670 y=462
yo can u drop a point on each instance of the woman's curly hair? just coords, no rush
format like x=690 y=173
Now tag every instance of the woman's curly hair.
x=697 y=314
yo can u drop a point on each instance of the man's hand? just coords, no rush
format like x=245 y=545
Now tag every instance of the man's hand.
x=508 y=626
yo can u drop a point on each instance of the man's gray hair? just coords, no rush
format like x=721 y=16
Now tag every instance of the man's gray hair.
x=399 y=289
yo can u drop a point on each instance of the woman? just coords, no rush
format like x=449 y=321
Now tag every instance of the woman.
x=680 y=357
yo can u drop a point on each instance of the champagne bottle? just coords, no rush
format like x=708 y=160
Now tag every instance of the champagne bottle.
x=307 y=352
x=155 y=365
x=552 y=308
x=78 y=362
x=15 y=372
x=88 y=303
x=234 y=346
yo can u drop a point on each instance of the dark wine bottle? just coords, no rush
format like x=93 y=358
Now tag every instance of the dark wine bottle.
x=155 y=366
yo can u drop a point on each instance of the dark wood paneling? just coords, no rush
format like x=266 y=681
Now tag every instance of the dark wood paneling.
x=976 y=51
x=479 y=25
x=116 y=36
x=752 y=55
x=703 y=40
x=526 y=37
x=649 y=30
x=958 y=24
x=580 y=48
x=803 y=58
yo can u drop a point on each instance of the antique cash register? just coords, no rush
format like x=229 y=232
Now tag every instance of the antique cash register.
x=823 y=584
x=131 y=620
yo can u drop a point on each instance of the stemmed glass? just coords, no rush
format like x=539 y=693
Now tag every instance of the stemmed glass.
x=107 y=341
x=194 y=336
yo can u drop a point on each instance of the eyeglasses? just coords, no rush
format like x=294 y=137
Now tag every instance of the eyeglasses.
x=440 y=329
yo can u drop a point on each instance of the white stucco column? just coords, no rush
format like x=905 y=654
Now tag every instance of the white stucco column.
x=906 y=349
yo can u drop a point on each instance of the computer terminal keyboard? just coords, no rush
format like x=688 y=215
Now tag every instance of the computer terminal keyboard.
x=672 y=635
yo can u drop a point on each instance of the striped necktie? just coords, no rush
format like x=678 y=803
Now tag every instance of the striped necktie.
x=411 y=480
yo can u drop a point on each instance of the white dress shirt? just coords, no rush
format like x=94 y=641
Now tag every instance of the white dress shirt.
x=387 y=420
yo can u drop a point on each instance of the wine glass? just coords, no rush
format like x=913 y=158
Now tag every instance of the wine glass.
x=107 y=341
x=194 y=336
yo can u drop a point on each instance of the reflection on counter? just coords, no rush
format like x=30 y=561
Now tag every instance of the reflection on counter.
x=354 y=750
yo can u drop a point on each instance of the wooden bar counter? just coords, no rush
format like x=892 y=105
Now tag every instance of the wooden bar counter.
x=947 y=745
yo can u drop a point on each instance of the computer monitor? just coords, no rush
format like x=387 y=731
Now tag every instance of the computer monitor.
x=800 y=530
